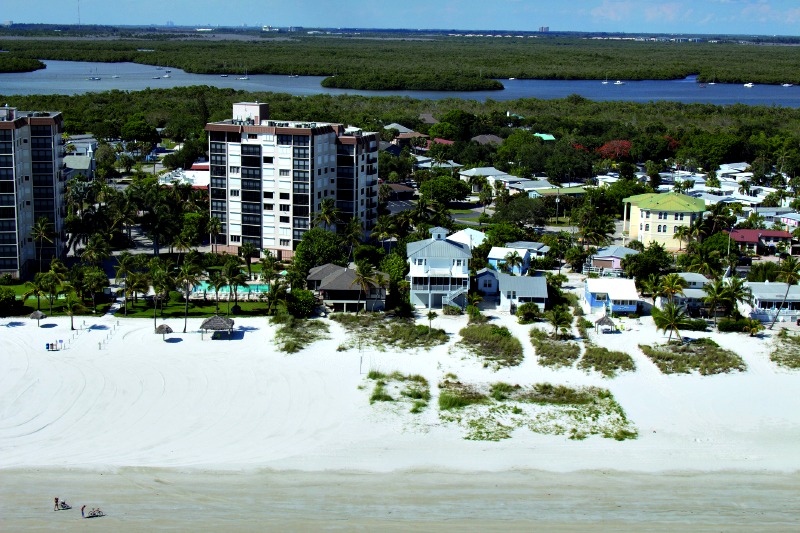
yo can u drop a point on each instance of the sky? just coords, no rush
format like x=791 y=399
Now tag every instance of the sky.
x=749 y=17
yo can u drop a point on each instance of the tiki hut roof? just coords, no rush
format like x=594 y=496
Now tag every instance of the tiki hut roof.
x=604 y=320
x=163 y=329
x=217 y=323
x=38 y=315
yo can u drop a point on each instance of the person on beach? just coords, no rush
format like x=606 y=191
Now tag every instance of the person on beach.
x=83 y=508
x=55 y=507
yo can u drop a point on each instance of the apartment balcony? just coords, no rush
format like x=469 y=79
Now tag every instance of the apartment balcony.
x=372 y=182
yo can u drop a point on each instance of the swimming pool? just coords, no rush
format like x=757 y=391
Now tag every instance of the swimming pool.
x=255 y=288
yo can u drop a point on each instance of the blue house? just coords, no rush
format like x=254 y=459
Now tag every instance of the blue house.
x=498 y=257
x=612 y=295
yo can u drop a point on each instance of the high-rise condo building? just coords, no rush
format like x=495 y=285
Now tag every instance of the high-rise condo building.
x=270 y=177
x=31 y=187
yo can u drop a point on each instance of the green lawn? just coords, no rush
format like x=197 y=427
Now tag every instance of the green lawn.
x=175 y=308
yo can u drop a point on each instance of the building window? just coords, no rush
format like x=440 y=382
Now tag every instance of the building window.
x=681 y=216
x=234 y=192
x=419 y=262
x=284 y=208
x=269 y=195
x=236 y=238
x=647 y=227
x=284 y=196
x=284 y=220
x=284 y=172
x=647 y=214
x=675 y=229
x=267 y=160
x=284 y=242
x=269 y=207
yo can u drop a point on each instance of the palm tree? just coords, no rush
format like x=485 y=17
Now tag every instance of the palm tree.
x=52 y=279
x=160 y=274
x=560 y=318
x=672 y=285
x=216 y=280
x=752 y=326
x=682 y=233
x=652 y=286
x=704 y=261
x=513 y=260
x=72 y=305
x=431 y=315
x=351 y=235
x=96 y=250
x=187 y=276
x=671 y=319
x=328 y=214
x=35 y=288
x=597 y=230
x=384 y=230
x=247 y=250
x=365 y=279
x=715 y=294
x=42 y=231
x=214 y=229
x=236 y=278
x=789 y=273
x=736 y=292
x=744 y=188
x=95 y=281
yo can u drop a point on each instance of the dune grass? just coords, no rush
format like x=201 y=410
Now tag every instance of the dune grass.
x=373 y=329
x=787 y=351
x=554 y=353
x=494 y=344
x=294 y=334
x=607 y=362
x=495 y=411
x=397 y=387
x=702 y=355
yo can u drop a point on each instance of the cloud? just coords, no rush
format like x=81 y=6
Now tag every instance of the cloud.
x=667 y=12
x=613 y=10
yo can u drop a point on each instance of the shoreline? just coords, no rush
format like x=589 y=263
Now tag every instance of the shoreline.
x=590 y=501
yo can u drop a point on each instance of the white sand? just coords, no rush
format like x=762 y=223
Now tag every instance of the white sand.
x=238 y=405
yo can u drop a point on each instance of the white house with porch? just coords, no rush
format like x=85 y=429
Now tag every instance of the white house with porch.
x=438 y=271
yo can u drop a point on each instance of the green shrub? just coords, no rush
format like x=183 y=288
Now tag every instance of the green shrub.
x=455 y=395
x=731 y=325
x=8 y=301
x=452 y=310
x=301 y=303
x=787 y=351
x=696 y=324
x=501 y=391
x=528 y=312
x=379 y=394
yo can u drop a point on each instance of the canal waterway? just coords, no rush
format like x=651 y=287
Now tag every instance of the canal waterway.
x=75 y=77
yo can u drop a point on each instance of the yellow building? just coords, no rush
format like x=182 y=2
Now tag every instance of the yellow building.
x=656 y=217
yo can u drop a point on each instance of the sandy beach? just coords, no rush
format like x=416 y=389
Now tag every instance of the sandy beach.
x=231 y=434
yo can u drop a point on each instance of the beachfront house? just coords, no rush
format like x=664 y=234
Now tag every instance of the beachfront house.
x=339 y=290
x=518 y=290
x=499 y=257
x=692 y=298
x=512 y=291
x=767 y=300
x=656 y=217
x=761 y=241
x=611 y=295
x=438 y=271
x=607 y=261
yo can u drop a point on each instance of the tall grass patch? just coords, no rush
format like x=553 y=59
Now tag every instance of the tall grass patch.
x=702 y=355
x=607 y=362
x=373 y=329
x=554 y=353
x=493 y=412
x=787 y=351
x=494 y=344
x=412 y=390
x=294 y=334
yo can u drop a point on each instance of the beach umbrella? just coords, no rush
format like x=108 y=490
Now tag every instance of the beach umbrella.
x=162 y=330
x=38 y=315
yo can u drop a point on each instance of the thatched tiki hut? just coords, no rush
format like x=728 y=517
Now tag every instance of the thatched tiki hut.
x=217 y=323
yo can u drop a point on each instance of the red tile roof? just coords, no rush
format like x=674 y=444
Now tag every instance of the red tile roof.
x=754 y=235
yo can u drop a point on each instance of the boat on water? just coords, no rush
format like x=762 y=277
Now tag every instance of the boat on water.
x=94 y=78
x=156 y=77
x=159 y=68
x=115 y=76
x=787 y=85
x=166 y=75
x=512 y=78
x=749 y=85
x=618 y=82
x=244 y=77
x=223 y=75
x=297 y=76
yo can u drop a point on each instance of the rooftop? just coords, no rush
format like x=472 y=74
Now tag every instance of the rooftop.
x=616 y=288
x=667 y=202
x=755 y=235
x=525 y=286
